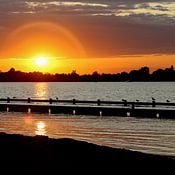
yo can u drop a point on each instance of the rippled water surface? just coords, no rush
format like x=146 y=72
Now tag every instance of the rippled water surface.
x=85 y=91
x=146 y=135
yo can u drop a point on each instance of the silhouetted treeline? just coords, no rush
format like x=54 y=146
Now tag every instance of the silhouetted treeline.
x=142 y=74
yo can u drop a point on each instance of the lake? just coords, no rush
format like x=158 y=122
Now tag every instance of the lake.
x=147 y=135
x=143 y=91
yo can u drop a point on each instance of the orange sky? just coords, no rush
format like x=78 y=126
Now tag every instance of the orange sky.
x=86 y=65
x=86 y=36
x=64 y=52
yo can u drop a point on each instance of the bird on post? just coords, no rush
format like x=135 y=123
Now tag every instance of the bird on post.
x=153 y=99
x=125 y=102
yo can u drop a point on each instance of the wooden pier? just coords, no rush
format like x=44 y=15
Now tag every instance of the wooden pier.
x=96 y=108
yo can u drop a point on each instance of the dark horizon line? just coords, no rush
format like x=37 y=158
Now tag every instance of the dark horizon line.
x=142 y=74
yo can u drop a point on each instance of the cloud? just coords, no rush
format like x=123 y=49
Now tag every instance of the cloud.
x=105 y=27
x=91 y=7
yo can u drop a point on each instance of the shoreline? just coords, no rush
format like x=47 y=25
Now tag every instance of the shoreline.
x=41 y=151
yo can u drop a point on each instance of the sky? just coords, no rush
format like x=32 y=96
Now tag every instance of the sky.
x=87 y=35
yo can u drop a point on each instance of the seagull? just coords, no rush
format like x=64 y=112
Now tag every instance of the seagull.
x=167 y=101
x=56 y=98
x=137 y=100
x=153 y=99
x=124 y=100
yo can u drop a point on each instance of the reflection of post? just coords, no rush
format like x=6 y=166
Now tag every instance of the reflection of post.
x=29 y=110
x=100 y=113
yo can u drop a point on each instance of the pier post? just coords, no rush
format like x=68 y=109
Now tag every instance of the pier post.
x=8 y=100
x=133 y=106
x=74 y=101
x=50 y=100
x=28 y=100
x=153 y=103
x=125 y=103
x=98 y=102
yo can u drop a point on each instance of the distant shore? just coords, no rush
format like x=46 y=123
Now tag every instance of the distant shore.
x=50 y=154
x=141 y=75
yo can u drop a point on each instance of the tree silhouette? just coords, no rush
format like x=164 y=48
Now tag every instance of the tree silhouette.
x=142 y=74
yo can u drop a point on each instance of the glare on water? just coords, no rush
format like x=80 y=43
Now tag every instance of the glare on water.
x=40 y=128
x=147 y=135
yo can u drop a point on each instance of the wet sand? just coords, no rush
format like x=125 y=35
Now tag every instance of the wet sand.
x=42 y=154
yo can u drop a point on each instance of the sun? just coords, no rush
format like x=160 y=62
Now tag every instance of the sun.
x=41 y=61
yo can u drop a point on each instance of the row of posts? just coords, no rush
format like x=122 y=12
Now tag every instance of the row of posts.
x=98 y=102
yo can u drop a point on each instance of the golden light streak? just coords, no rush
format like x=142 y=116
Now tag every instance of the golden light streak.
x=40 y=128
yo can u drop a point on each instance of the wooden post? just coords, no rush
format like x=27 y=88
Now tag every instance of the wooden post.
x=50 y=100
x=8 y=100
x=125 y=103
x=28 y=100
x=153 y=103
x=133 y=106
x=74 y=101
x=98 y=102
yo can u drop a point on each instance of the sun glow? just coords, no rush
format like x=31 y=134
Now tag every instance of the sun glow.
x=41 y=46
x=41 y=61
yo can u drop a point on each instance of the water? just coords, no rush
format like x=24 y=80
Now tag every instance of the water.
x=146 y=135
x=91 y=91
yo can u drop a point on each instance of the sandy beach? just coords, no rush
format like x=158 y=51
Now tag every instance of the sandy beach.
x=41 y=153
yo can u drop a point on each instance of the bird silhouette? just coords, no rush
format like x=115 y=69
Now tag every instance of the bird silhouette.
x=137 y=100
x=167 y=101
x=153 y=99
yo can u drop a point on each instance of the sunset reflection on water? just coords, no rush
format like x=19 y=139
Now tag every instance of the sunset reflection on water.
x=41 y=90
x=146 y=135
x=40 y=128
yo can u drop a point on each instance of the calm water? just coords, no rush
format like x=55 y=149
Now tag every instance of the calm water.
x=146 y=135
x=84 y=91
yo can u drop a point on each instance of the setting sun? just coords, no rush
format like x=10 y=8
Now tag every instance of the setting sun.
x=41 y=61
